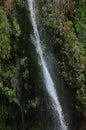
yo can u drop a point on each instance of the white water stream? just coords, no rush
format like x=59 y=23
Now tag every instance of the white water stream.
x=47 y=77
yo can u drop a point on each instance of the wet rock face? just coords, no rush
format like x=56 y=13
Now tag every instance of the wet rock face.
x=83 y=126
x=84 y=114
x=7 y=4
x=15 y=85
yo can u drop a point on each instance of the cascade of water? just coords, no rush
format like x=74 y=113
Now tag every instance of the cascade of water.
x=47 y=77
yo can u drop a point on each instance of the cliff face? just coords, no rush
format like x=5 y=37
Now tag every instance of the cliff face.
x=65 y=25
x=19 y=99
x=14 y=66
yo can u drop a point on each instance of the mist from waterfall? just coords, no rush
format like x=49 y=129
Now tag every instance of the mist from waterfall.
x=50 y=86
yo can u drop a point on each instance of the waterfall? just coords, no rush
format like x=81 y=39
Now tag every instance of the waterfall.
x=50 y=87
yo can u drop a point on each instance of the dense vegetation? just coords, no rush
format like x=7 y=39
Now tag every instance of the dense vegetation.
x=15 y=97
x=65 y=25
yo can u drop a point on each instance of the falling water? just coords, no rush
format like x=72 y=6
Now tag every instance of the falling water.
x=47 y=77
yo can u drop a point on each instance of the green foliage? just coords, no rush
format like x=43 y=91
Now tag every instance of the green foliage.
x=15 y=91
x=23 y=61
x=50 y=16
x=26 y=73
x=68 y=39
x=10 y=93
x=33 y=103
x=16 y=28
x=21 y=3
x=67 y=35
x=80 y=21
x=9 y=67
x=5 y=46
x=5 y=114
